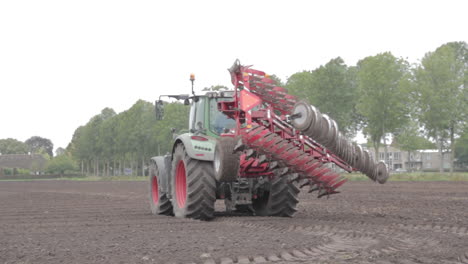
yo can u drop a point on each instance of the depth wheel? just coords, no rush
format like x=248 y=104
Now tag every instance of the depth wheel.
x=159 y=203
x=194 y=186
x=279 y=200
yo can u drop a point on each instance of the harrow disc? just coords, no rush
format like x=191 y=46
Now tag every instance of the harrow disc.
x=304 y=115
x=365 y=161
x=334 y=135
x=358 y=158
x=326 y=130
x=381 y=172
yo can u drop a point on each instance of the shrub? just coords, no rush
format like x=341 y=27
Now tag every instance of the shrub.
x=62 y=164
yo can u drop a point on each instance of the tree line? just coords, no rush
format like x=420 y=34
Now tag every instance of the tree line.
x=422 y=105
x=109 y=143
x=33 y=145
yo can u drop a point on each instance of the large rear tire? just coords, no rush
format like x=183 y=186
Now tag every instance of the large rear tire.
x=159 y=203
x=279 y=200
x=193 y=186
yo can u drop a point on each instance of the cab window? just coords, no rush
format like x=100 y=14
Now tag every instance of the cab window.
x=218 y=120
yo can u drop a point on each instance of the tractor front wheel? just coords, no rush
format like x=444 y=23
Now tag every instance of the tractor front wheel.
x=159 y=203
x=193 y=186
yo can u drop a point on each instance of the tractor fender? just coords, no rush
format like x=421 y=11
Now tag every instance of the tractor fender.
x=196 y=149
x=164 y=172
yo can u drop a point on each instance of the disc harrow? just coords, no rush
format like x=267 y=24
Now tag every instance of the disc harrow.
x=294 y=134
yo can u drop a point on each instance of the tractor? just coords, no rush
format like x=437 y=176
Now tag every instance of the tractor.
x=254 y=146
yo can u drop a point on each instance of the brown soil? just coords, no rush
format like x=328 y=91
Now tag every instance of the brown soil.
x=110 y=222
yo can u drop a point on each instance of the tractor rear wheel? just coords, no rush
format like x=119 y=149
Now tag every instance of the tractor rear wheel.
x=279 y=200
x=159 y=203
x=193 y=186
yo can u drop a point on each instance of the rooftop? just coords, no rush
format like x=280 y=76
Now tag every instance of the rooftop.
x=34 y=162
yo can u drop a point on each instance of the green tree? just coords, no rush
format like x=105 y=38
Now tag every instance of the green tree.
x=331 y=88
x=40 y=145
x=78 y=148
x=176 y=116
x=60 y=151
x=87 y=142
x=461 y=149
x=441 y=82
x=12 y=146
x=383 y=87
x=301 y=85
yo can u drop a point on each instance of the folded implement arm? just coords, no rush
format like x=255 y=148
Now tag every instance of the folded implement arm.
x=280 y=135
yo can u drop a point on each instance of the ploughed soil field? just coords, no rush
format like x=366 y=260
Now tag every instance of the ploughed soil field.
x=110 y=222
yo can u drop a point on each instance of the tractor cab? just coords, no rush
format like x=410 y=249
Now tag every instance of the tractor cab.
x=205 y=117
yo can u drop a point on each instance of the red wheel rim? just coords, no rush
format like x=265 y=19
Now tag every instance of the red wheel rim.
x=154 y=189
x=181 y=184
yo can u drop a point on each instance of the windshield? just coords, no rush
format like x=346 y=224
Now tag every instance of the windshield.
x=218 y=120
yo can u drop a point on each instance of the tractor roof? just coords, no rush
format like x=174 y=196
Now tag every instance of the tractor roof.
x=229 y=93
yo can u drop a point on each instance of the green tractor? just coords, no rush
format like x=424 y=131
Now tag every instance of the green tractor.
x=254 y=147
x=185 y=183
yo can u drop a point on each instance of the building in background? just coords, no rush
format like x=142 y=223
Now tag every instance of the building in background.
x=35 y=163
x=419 y=160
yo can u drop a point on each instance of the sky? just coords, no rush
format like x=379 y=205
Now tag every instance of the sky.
x=62 y=62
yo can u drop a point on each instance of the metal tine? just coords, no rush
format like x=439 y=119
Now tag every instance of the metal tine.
x=262 y=159
x=240 y=146
x=305 y=183
x=327 y=193
x=313 y=189
x=281 y=171
x=294 y=177
x=273 y=165
x=250 y=153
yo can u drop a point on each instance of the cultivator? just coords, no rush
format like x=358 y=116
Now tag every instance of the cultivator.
x=280 y=135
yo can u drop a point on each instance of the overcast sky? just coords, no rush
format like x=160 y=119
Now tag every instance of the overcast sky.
x=61 y=62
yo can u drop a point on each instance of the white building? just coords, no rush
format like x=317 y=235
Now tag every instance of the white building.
x=425 y=159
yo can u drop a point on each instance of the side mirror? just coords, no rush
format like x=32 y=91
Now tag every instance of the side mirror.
x=159 y=109
x=199 y=125
x=173 y=132
x=186 y=102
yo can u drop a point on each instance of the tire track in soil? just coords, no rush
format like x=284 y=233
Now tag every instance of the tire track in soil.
x=342 y=245
x=380 y=242
x=454 y=229
x=424 y=232
x=464 y=258
x=338 y=244
x=457 y=230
